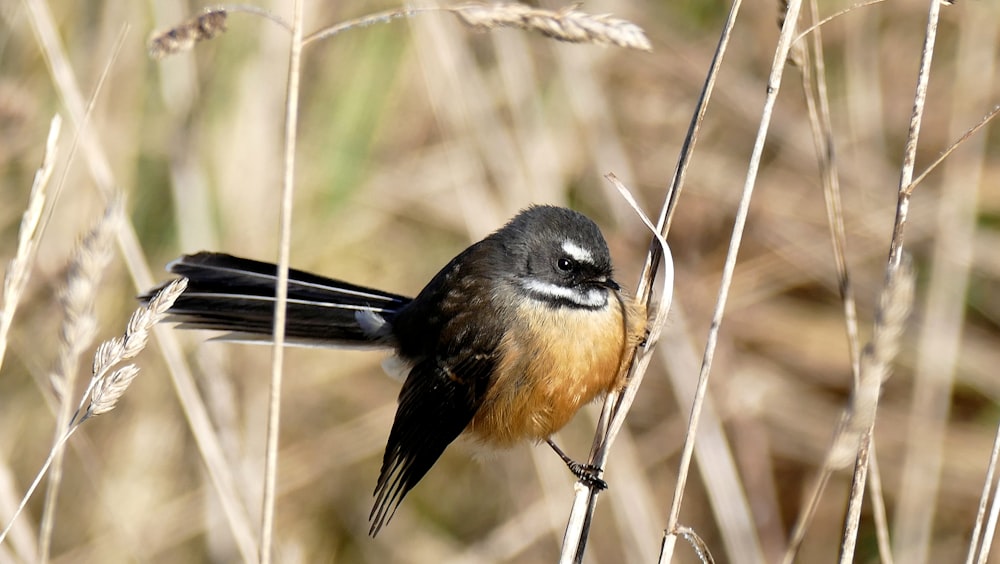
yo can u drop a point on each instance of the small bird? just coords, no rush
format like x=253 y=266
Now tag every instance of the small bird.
x=505 y=344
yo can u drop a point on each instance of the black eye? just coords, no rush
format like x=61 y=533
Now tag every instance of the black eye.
x=566 y=264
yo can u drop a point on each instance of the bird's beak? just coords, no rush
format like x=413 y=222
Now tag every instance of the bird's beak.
x=609 y=283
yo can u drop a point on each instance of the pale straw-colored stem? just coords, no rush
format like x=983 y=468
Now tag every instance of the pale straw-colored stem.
x=85 y=272
x=19 y=267
x=281 y=289
x=105 y=390
x=63 y=78
x=983 y=537
x=742 y=211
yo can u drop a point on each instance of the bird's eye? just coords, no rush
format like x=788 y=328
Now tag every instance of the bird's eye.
x=566 y=264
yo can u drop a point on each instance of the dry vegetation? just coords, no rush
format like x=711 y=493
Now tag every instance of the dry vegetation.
x=417 y=136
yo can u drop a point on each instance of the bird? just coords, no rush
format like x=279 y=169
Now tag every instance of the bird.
x=503 y=345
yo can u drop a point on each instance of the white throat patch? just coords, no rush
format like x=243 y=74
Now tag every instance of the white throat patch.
x=578 y=253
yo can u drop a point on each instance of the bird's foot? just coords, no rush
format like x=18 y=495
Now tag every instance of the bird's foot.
x=588 y=474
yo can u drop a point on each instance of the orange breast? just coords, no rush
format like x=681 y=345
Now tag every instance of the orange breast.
x=560 y=360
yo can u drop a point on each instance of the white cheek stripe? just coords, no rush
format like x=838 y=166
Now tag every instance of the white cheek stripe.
x=594 y=297
x=578 y=253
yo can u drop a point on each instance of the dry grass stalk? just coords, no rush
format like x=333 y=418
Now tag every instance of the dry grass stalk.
x=566 y=24
x=697 y=543
x=86 y=268
x=87 y=265
x=834 y=16
x=183 y=36
x=29 y=233
x=952 y=276
x=64 y=80
x=106 y=389
x=617 y=405
x=852 y=441
x=916 y=120
x=27 y=238
x=912 y=526
x=951 y=148
x=866 y=396
x=981 y=538
x=281 y=293
x=365 y=21
x=894 y=307
x=813 y=68
x=739 y=226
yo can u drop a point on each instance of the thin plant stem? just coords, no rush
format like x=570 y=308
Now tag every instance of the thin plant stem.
x=991 y=527
x=940 y=338
x=281 y=290
x=365 y=21
x=835 y=15
x=912 y=520
x=818 y=106
x=988 y=481
x=69 y=372
x=913 y=135
x=852 y=521
x=107 y=386
x=38 y=480
x=951 y=148
x=743 y=209
x=895 y=303
x=991 y=523
x=879 y=513
x=89 y=263
x=581 y=513
x=585 y=500
x=807 y=513
x=19 y=268
x=63 y=78
x=256 y=11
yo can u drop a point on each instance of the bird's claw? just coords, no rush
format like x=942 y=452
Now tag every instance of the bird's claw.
x=588 y=475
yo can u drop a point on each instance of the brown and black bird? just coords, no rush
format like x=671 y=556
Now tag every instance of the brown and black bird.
x=505 y=343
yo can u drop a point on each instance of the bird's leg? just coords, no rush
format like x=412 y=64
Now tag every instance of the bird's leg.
x=586 y=473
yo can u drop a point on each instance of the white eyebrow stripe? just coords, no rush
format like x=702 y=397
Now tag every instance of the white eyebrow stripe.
x=594 y=297
x=578 y=253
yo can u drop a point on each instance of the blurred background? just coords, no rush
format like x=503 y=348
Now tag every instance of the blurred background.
x=420 y=136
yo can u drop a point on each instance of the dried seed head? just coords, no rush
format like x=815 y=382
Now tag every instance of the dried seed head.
x=894 y=307
x=565 y=25
x=108 y=390
x=182 y=37
x=108 y=353
x=87 y=265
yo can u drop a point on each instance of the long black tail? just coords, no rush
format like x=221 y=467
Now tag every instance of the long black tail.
x=233 y=294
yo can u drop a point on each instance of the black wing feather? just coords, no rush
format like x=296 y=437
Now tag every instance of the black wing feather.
x=229 y=293
x=436 y=404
